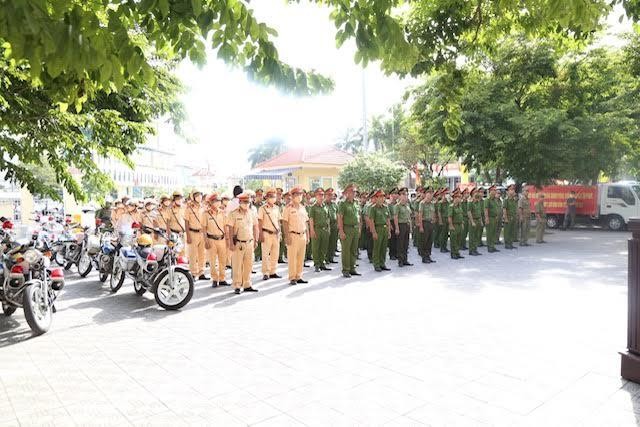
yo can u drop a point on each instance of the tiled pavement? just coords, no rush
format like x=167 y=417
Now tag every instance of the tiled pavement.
x=526 y=337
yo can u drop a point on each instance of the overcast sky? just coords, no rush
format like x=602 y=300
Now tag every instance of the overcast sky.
x=228 y=114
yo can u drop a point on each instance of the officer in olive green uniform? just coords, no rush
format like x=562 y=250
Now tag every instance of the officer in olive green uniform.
x=455 y=218
x=541 y=218
x=368 y=239
x=393 y=241
x=436 y=225
x=444 y=214
x=308 y=201
x=418 y=234
x=474 y=218
x=380 y=227
x=465 y=217
x=402 y=225
x=510 y=217
x=492 y=209
x=524 y=213
x=427 y=219
x=332 y=208
x=348 y=221
x=319 y=231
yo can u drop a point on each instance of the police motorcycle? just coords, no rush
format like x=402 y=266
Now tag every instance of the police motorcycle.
x=154 y=268
x=103 y=259
x=76 y=246
x=26 y=279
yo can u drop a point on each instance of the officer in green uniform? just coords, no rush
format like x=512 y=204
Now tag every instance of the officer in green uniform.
x=348 y=222
x=455 y=218
x=524 y=216
x=436 y=225
x=499 y=223
x=402 y=225
x=380 y=227
x=510 y=217
x=319 y=231
x=426 y=222
x=474 y=218
x=541 y=218
x=368 y=240
x=415 y=206
x=393 y=241
x=444 y=214
x=465 y=217
x=308 y=201
x=492 y=209
x=332 y=208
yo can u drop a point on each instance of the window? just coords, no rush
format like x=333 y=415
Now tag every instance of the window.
x=314 y=182
x=620 y=192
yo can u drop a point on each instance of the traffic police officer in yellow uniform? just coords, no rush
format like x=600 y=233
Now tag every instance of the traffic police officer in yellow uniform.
x=295 y=223
x=242 y=235
x=195 y=237
x=213 y=222
x=269 y=225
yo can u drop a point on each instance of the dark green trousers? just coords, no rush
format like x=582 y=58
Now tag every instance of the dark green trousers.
x=349 y=248
x=379 y=253
x=320 y=246
x=456 y=238
x=492 y=232
x=333 y=243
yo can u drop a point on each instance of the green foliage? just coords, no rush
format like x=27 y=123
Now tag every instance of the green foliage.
x=35 y=129
x=419 y=37
x=78 y=47
x=533 y=115
x=352 y=141
x=371 y=171
x=267 y=150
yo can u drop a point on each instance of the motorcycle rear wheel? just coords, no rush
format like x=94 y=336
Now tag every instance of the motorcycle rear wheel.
x=84 y=265
x=37 y=310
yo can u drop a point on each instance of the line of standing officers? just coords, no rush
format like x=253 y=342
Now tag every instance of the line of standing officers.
x=270 y=226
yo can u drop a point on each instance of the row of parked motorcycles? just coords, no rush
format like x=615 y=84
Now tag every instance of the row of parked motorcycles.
x=33 y=265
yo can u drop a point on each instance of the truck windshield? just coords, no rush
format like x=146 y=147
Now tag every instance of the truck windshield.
x=636 y=189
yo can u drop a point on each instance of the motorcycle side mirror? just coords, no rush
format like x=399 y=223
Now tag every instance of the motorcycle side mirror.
x=135 y=225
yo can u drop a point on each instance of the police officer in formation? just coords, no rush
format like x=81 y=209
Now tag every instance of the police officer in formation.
x=223 y=234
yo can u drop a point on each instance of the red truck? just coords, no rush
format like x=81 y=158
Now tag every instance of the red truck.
x=610 y=204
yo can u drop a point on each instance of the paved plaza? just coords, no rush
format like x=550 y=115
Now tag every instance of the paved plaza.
x=524 y=337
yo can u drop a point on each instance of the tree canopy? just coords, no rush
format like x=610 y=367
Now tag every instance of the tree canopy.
x=267 y=150
x=535 y=114
x=370 y=171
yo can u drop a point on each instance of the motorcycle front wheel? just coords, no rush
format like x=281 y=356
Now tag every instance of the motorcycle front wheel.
x=103 y=276
x=117 y=277
x=173 y=296
x=84 y=265
x=37 y=310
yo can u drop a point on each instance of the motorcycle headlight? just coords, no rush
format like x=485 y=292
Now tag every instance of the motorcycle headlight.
x=32 y=256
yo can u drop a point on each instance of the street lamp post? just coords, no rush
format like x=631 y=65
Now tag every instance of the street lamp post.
x=630 y=364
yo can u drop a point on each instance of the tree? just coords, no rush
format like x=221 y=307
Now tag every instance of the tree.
x=267 y=150
x=352 y=141
x=34 y=129
x=385 y=130
x=534 y=115
x=371 y=171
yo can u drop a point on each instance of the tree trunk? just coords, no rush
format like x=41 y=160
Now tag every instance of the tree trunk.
x=498 y=177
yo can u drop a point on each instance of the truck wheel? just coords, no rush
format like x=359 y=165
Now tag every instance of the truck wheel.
x=553 y=221
x=615 y=222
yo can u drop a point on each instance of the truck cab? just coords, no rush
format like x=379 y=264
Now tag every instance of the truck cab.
x=617 y=202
